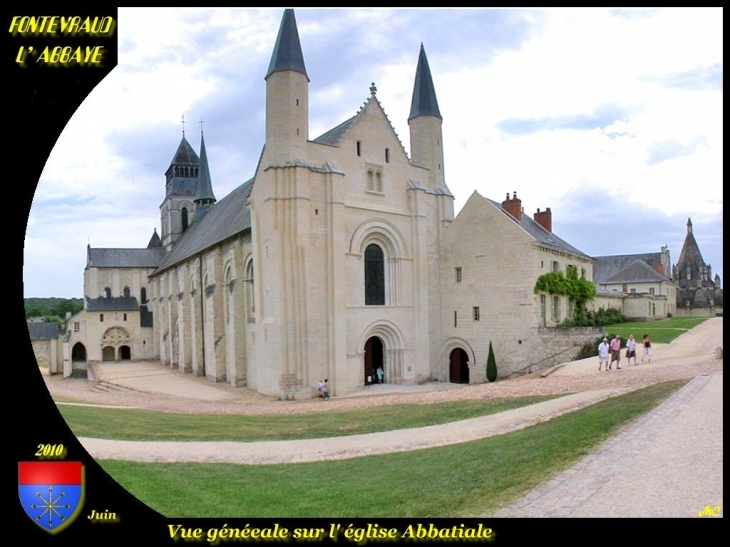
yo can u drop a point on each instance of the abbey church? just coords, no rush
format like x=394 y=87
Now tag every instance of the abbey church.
x=341 y=255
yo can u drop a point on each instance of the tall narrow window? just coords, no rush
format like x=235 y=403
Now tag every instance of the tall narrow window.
x=143 y=295
x=374 y=276
x=184 y=218
x=107 y=292
x=457 y=271
x=455 y=319
x=387 y=155
x=475 y=311
x=126 y=292
x=101 y=317
x=359 y=148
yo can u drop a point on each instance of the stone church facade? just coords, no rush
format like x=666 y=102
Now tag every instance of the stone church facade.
x=341 y=255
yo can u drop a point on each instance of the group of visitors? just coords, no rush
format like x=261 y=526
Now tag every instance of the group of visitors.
x=614 y=350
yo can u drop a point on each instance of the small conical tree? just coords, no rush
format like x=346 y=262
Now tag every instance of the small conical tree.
x=491 y=365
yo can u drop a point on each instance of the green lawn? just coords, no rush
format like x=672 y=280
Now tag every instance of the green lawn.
x=129 y=424
x=660 y=332
x=468 y=479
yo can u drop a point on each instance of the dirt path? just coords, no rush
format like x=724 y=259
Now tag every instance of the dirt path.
x=690 y=355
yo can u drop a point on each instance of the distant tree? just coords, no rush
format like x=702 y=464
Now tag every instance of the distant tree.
x=40 y=307
x=491 y=365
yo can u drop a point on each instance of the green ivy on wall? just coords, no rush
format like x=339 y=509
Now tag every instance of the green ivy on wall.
x=578 y=288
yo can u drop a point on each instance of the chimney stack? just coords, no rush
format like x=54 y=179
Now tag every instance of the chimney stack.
x=513 y=206
x=659 y=268
x=545 y=219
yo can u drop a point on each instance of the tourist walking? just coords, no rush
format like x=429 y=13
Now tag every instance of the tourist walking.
x=615 y=352
x=326 y=390
x=647 y=349
x=631 y=349
x=603 y=354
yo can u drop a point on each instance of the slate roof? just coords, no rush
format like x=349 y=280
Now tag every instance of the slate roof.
x=124 y=258
x=637 y=271
x=205 y=187
x=112 y=303
x=224 y=219
x=424 y=101
x=155 y=241
x=608 y=267
x=540 y=234
x=690 y=259
x=334 y=135
x=42 y=331
x=185 y=155
x=287 y=53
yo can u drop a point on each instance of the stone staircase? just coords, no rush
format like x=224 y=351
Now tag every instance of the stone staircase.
x=99 y=385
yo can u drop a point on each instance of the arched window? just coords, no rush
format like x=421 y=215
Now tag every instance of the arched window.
x=126 y=292
x=249 y=294
x=184 y=218
x=107 y=292
x=374 y=276
x=143 y=295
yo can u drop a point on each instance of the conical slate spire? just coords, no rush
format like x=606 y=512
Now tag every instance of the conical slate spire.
x=424 y=101
x=184 y=155
x=155 y=241
x=204 y=193
x=287 y=51
x=690 y=258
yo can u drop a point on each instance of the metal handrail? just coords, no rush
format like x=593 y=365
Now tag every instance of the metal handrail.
x=572 y=348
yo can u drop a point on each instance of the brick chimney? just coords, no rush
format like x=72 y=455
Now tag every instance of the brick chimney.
x=659 y=268
x=545 y=219
x=513 y=206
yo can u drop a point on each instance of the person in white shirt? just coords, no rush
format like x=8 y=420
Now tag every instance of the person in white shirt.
x=603 y=354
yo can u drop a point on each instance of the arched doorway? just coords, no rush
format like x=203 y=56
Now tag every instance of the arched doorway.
x=459 y=367
x=78 y=352
x=125 y=353
x=108 y=354
x=374 y=350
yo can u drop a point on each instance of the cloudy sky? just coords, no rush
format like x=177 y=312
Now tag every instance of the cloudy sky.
x=612 y=118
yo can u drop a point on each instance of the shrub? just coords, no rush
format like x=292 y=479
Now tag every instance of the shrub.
x=491 y=365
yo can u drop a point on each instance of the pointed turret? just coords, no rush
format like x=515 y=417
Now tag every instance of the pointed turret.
x=287 y=51
x=691 y=265
x=424 y=101
x=425 y=124
x=204 y=197
x=181 y=184
x=155 y=241
x=287 y=97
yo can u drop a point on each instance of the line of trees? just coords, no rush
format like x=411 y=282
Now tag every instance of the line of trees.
x=53 y=308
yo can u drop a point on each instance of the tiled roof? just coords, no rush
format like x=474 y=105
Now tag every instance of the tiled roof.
x=42 y=331
x=540 y=234
x=608 y=267
x=637 y=271
x=112 y=303
x=224 y=219
x=124 y=258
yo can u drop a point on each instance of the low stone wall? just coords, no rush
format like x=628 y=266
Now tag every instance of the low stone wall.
x=560 y=345
x=715 y=311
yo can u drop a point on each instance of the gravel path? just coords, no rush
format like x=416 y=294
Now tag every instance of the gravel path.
x=690 y=355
